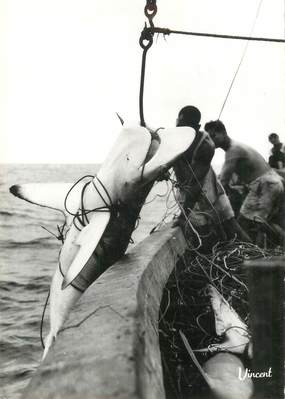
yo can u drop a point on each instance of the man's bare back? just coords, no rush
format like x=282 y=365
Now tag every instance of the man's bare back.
x=264 y=185
x=247 y=163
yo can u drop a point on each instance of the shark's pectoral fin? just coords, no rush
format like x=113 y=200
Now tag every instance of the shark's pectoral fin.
x=50 y=195
x=88 y=240
x=173 y=142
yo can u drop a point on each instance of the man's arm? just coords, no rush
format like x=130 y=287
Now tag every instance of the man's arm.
x=229 y=167
x=200 y=167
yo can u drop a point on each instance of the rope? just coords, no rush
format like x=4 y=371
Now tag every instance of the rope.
x=110 y=205
x=284 y=17
x=60 y=230
x=68 y=193
x=81 y=216
x=42 y=320
x=241 y=60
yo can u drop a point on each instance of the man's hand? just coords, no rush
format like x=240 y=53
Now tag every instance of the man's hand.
x=164 y=174
x=179 y=221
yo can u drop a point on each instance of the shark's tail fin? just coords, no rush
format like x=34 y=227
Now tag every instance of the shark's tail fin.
x=194 y=359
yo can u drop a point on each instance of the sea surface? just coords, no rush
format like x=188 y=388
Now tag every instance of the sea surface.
x=28 y=259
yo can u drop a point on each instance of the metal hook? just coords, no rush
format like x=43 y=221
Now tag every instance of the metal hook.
x=150 y=11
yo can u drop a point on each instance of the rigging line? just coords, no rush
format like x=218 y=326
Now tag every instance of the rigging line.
x=42 y=320
x=284 y=18
x=166 y=31
x=241 y=60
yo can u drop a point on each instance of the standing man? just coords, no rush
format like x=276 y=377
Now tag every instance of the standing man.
x=277 y=152
x=265 y=186
x=199 y=189
x=194 y=164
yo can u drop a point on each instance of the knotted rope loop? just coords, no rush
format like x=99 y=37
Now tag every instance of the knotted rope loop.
x=146 y=38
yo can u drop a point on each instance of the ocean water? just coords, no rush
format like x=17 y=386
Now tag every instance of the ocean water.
x=28 y=259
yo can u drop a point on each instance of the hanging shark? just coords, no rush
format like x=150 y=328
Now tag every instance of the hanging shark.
x=134 y=161
x=221 y=372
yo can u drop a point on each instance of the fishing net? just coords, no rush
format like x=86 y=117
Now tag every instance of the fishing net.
x=186 y=306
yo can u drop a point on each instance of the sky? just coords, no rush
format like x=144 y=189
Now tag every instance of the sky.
x=67 y=67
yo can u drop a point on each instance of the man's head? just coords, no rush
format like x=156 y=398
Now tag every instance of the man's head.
x=217 y=132
x=274 y=138
x=189 y=116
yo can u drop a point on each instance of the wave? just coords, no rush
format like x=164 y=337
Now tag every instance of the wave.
x=37 y=286
x=36 y=215
x=18 y=214
x=38 y=283
x=20 y=348
x=8 y=285
x=6 y=213
x=15 y=373
x=28 y=224
x=43 y=242
x=11 y=345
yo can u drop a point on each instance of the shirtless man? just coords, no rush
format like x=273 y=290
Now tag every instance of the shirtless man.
x=277 y=152
x=264 y=184
x=193 y=166
x=200 y=191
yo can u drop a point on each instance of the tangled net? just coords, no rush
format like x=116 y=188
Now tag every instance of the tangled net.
x=186 y=306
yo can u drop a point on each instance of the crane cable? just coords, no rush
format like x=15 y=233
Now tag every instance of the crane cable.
x=146 y=40
x=241 y=60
